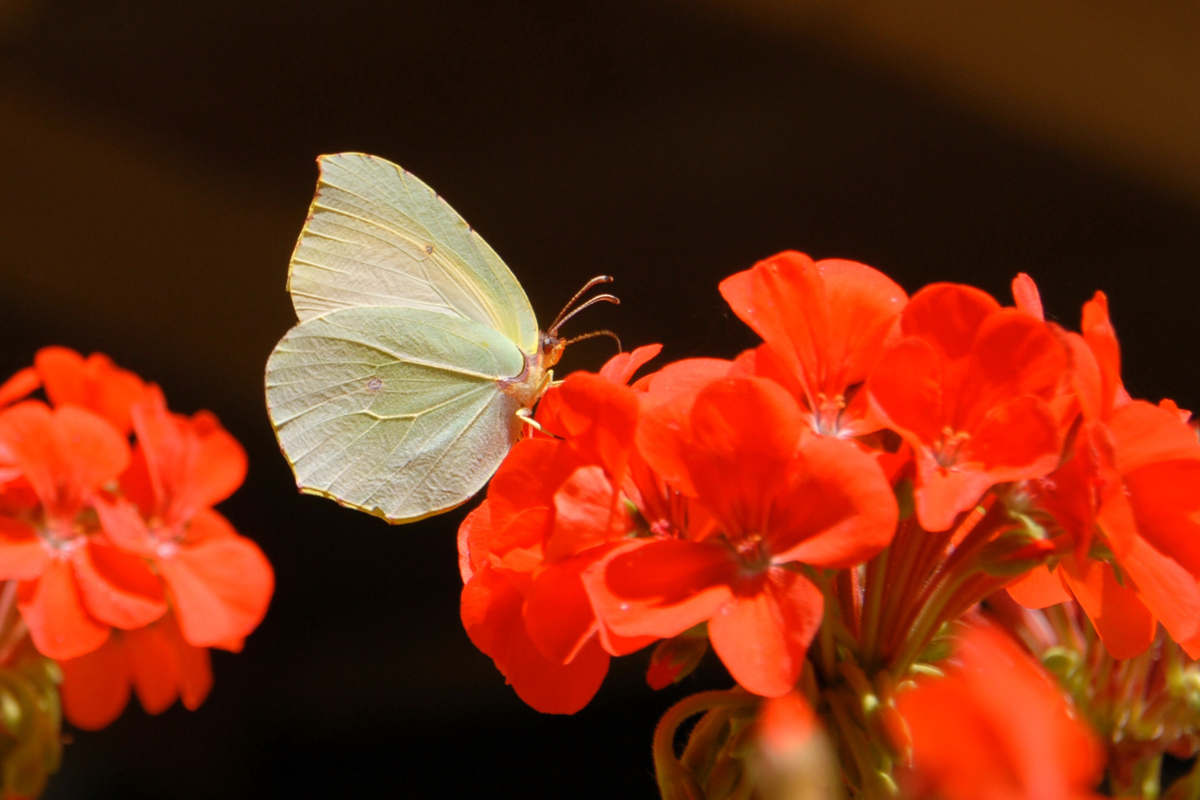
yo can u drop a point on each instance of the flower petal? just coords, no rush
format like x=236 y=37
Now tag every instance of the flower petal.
x=95 y=687
x=763 y=637
x=117 y=588
x=53 y=609
x=660 y=588
x=220 y=584
x=1124 y=623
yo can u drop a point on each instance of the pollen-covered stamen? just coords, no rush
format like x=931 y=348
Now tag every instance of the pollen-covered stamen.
x=827 y=413
x=63 y=536
x=751 y=551
x=949 y=447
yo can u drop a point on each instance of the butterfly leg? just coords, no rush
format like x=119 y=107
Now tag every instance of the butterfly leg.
x=526 y=416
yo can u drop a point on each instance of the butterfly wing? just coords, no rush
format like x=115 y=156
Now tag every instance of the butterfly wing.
x=377 y=236
x=393 y=411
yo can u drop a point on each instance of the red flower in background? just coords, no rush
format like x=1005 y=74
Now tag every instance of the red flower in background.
x=996 y=728
x=219 y=582
x=968 y=387
x=824 y=325
x=103 y=543
x=74 y=584
x=1132 y=481
x=771 y=498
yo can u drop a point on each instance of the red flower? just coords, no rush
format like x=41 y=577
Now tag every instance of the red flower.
x=996 y=728
x=824 y=324
x=771 y=499
x=74 y=585
x=155 y=660
x=220 y=583
x=1132 y=481
x=968 y=387
x=553 y=509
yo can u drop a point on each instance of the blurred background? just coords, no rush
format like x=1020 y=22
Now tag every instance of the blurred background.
x=158 y=162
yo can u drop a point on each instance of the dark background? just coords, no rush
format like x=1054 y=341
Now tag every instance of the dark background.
x=157 y=164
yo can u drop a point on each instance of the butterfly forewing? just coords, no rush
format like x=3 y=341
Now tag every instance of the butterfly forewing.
x=377 y=236
x=395 y=411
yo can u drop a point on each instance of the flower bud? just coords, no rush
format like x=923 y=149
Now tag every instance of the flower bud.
x=674 y=659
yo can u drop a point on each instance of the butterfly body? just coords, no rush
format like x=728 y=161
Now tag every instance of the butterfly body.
x=398 y=391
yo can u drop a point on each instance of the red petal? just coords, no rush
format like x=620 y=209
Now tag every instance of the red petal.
x=95 y=686
x=584 y=511
x=661 y=588
x=22 y=554
x=1165 y=498
x=117 y=588
x=744 y=435
x=95 y=384
x=1145 y=434
x=1016 y=440
x=838 y=510
x=66 y=455
x=906 y=389
x=18 y=386
x=53 y=609
x=621 y=367
x=599 y=418
x=476 y=526
x=762 y=638
x=194 y=664
x=491 y=614
x=491 y=609
x=1124 y=623
x=554 y=688
x=1102 y=339
x=558 y=614
x=949 y=314
x=1039 y=589
x=1167 y=589
x=1013 y=355
x=220 y=584
x=1025 y=293
x=527 y=480
x=682 y=379
x=154 y=668
x=124 y=527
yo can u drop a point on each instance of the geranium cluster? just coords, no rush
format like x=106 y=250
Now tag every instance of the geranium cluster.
x=117 y=565
x=827 y=511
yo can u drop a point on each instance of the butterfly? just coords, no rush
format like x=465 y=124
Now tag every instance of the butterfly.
x=417 y=356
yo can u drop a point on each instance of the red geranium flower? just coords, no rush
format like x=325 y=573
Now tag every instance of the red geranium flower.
x=220 y=583
x=824 y=324
x=770 y=501
x=74 y=584
x=968 y=387
x=1132 y=482
x=553 y=509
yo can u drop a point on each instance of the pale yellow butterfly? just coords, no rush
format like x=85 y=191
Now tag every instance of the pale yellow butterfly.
x=417 y=353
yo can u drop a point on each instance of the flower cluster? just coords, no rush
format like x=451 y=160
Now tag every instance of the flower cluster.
x=117 y=565
x=826 y=511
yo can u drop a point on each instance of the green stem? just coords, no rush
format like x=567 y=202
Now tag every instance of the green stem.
x=675 y=781
x=872 y=607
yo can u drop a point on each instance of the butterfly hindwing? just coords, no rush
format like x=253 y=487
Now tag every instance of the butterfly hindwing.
x=395 y=411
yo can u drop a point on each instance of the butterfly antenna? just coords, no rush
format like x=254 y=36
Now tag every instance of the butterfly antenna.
x=563 y=316
x=600 y=298
x=593 y=335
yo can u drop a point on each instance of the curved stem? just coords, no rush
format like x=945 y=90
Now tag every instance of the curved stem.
x=675 y=781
